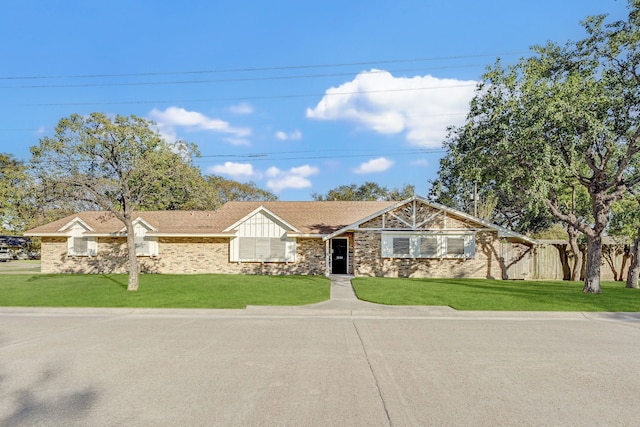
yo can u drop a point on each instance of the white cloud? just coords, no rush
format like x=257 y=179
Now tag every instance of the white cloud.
x=296 y=135
x=422 y=107
x=235 y=170
x=293 y=178
x=380 y=164
x=242 y=108
x=174 y=117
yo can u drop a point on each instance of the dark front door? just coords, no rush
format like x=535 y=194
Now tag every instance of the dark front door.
x=339 y=252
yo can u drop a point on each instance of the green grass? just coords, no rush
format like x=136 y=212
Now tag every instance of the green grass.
x=160 y=291
x=478 y=294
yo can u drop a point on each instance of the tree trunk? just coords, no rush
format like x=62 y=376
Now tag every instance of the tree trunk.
x=634 y=268
x=564 y=261
x=625 y=257
x=131 y=252
x=592 y=272
x=577 y=253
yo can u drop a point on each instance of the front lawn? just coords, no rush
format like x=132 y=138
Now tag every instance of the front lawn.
x=478 y=294
x=160 y=291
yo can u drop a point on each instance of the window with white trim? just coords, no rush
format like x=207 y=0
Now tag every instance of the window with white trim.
x=428 y=245
x=402 y=246
x=82 y=246
x=265 y=249
x=146 y=246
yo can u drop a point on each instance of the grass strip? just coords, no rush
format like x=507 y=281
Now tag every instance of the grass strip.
x=497 y=295
x=160 y=291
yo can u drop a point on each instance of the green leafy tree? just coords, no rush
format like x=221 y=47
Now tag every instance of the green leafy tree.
x=625 y=222
x=119 y=165
x=461 y=188
x=567 y=115
x=369 y=191
x=14 y=184
x=483 y=196
x=219 y=190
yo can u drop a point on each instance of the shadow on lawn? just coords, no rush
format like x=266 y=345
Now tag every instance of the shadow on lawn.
x=124 y=284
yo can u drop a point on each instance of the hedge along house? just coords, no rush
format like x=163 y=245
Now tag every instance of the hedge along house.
x=411 y=238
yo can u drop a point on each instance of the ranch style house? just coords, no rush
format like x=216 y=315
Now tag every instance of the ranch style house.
x=410 y=238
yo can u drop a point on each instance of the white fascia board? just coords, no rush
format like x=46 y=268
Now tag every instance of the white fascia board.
x=155 y=234
x=356 y=225
x=502 y=232
x=54 y=234
x=264 y=210
x=140 y=220
x=76 y=220
x=144 y=223
x=306 y=235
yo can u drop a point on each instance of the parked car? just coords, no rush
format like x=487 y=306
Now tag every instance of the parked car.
x=4 y=254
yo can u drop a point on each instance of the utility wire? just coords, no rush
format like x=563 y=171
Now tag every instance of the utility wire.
x=229 y=80
x=260 y=69
x=247 y=98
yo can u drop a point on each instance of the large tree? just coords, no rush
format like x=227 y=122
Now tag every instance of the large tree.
x=116 y=164
x=370 y=191
x=14 y=184
x=219 y=190
x=625 y=222
x=567 y=115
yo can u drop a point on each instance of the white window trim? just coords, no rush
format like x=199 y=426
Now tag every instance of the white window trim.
x=414 y=245
x=289 y=250
x=92 y=246
x=151 y=244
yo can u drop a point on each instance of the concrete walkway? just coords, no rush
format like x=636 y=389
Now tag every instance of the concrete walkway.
x=344 y=303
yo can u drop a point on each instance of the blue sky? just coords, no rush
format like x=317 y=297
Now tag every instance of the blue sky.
x=299 y=97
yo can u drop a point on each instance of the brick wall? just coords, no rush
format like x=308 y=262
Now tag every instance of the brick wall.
x=485 y=264
x=178 y=256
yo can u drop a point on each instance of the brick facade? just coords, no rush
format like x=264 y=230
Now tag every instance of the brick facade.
x=193 y=255
x=369 y=262
x=484 y=253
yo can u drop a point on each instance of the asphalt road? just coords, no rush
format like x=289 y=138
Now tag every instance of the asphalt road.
x=328 y=364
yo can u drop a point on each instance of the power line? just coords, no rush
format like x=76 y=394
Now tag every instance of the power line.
x=312 y=155
x=229 y=80
x=260 y=69
x=247 y=98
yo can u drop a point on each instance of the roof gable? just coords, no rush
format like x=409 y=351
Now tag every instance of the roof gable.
x=141 y=222
x=411 y=219
x=75 y=222
x=262 y=210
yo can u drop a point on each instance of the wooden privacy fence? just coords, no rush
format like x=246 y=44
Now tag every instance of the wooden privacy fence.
x=543 y=261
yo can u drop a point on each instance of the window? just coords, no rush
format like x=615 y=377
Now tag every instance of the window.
x=82 y=246
x=263 y=249
x=146 y=246
x=428 y=245
x=455 y=246
x=401 y=246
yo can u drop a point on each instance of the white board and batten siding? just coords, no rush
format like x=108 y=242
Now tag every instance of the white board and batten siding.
x=78 y=244
x=145 y=245
x=262 y=239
